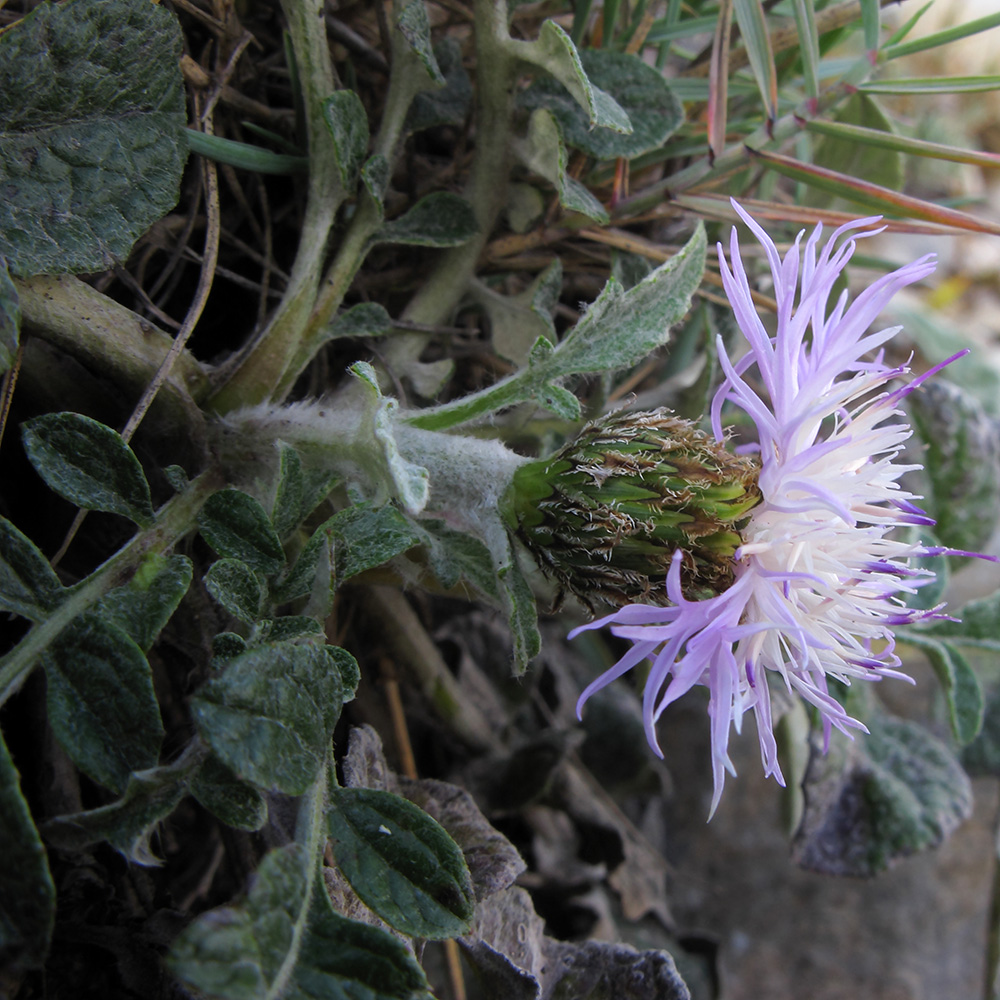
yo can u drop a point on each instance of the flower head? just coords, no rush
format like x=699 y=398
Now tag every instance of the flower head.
x=819 y=580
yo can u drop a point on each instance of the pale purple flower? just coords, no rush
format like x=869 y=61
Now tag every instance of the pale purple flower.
x=821 y=578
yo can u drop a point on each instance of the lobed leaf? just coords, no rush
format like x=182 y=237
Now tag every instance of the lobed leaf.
x=400 y=862
x=415 y=26
x=101 y=703
x=450 y=105
x=91 y=135
x=88 y=464
x=236 y=587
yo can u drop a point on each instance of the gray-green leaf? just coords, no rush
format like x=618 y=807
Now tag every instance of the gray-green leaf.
x=271 y=714
x=128 y=824
x=367 y=319
x=91 y=132
x=102 y=707
x=441 y=219
x=237 y=526
x=885 y=796
x=88 y=464
x=144 y=605
x=10 y=318
x=415 y=27
x=27 y=894
x=287 y=510
x=237 y=588
x=28 y=584
x=450 y=104
x=237 y=803
x=642 y=92
x=345 y=117
x=401 y=862
x=959 y=682
x=962 y=462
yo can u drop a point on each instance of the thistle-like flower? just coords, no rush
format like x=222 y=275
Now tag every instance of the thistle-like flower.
x=819 y=580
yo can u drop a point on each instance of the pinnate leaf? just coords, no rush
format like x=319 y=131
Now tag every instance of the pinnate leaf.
x=91 y=132
x=102 y=707
x=271 y=714
x=88 y=464
x=400 y=862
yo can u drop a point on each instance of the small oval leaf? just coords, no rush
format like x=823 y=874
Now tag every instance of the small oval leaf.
x=401 y=862
x=237 y=526
x=88 y=464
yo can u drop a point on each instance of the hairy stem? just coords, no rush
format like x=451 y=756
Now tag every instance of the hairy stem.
x=487 y=190
x=259 y=374
x=174 y=520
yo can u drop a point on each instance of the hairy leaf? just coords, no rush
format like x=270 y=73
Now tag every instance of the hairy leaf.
x=271 y=714
x=10 y=319
x=237 y=803
x=288 y=496
x=450 y=104
x=143 y=606
x=962 y=462
x=28 y=584
x=27 y=894
x=88 y=464
x=415 y=27
x=367 y=319
x=440 y=219
x=345 y=117
x=400 y=862
x=237 y=588
x=236 y=525
x=874 y=801
x=979 y=626
x=959 y=682
x=640 y=90
x=128 y=824
x=102 y=707
x=91 y=132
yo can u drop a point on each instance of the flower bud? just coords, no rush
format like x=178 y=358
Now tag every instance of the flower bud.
x=605 y=514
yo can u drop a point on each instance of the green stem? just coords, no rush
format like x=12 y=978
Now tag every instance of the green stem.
x=310 y=833
x=260 y=373
x=442 y=291
x=173 y=520
x=408 y=78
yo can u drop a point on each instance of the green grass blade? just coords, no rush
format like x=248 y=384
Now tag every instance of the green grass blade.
x=753 y=27
x=870 y=11
x=933 y=85
x=900 y=33
x=240 y=154
x=718 y=80
x=941 y=37
x=805 y=23
x=903 y=144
